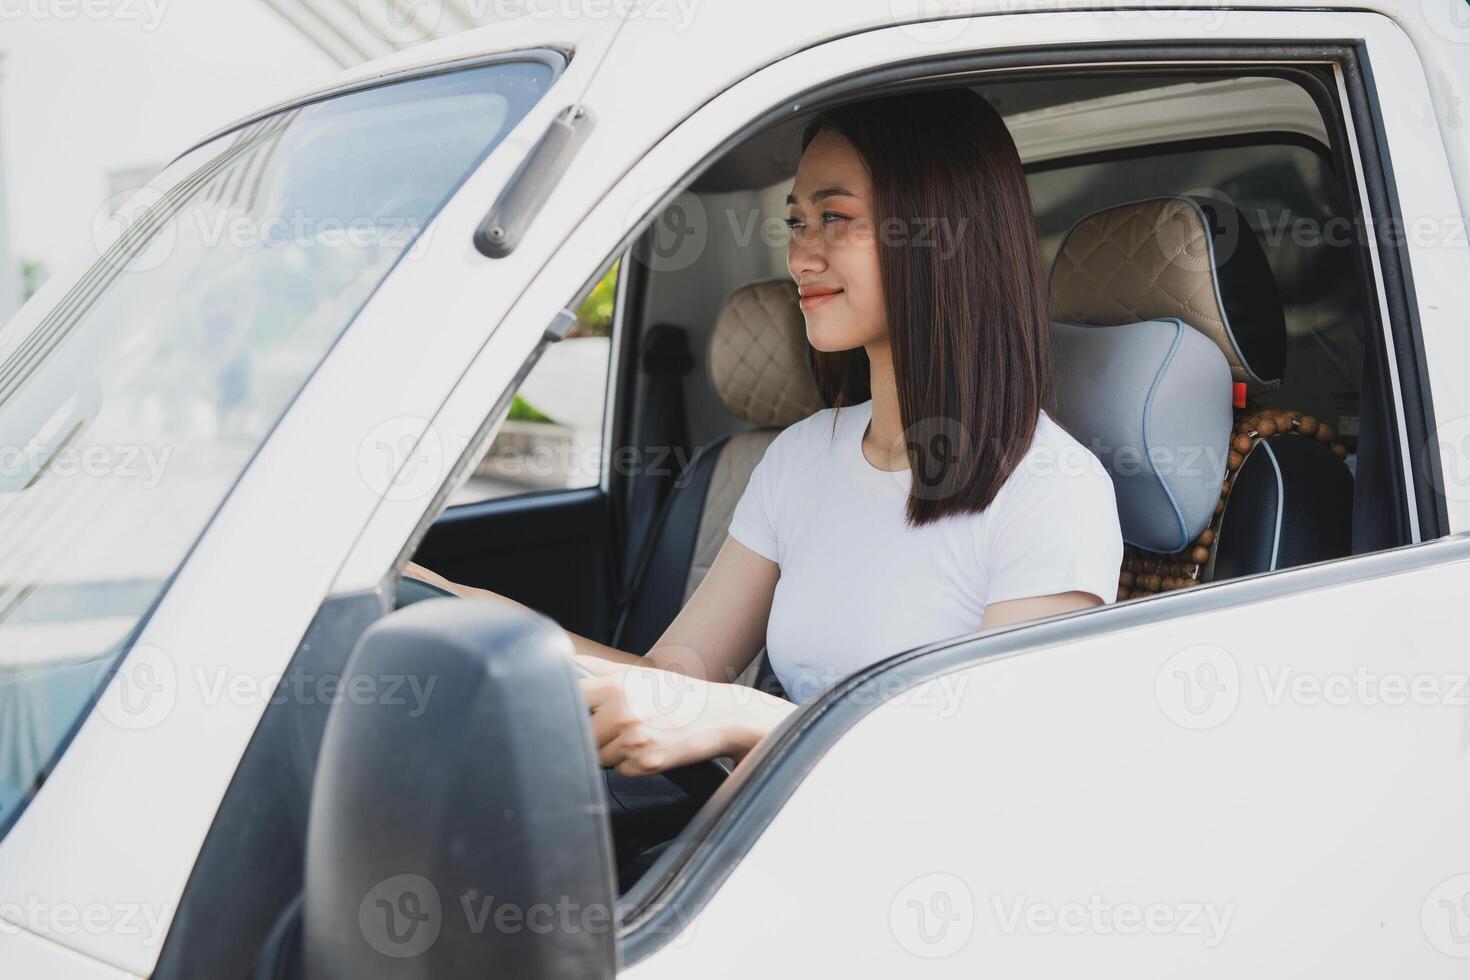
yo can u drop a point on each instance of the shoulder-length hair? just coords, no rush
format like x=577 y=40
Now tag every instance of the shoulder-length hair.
x=963 y=291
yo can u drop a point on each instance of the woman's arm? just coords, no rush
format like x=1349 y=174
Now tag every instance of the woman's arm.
x=678 y=704
x=581 y=644
x=714 y=637
x=1035 y=607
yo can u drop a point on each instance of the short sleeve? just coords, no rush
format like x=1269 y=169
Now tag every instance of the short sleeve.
x=753 y=522
x=1056 y=530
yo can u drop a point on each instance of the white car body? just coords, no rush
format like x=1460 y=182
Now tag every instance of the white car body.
x=1167 y=825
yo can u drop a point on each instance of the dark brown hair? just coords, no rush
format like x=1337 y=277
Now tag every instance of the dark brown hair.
x=963 y=291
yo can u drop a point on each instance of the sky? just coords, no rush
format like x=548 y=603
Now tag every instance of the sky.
x=81 y=96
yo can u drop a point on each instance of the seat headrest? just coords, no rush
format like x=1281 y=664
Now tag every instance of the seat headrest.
x=1152 y=401
x=1190 y=257
x=757 y=359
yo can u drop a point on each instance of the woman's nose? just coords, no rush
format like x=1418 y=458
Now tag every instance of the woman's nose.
x=804 y=254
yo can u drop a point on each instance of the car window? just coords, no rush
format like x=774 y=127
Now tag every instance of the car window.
x=552 y=438
x=129 y=410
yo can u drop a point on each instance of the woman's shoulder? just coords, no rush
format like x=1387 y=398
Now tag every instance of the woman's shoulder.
x=819 y=431
x=1053 y=436
x=1054 y=526
x=1058 y=464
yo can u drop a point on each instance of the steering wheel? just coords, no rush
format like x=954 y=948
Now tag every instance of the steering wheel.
x=697 y=781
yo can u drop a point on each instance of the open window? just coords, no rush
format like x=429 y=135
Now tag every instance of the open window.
x=1259 y=159
x=1238 y=179
x=1275 y=286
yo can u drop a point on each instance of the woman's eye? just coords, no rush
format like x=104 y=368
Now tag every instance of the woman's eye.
x=828 y=217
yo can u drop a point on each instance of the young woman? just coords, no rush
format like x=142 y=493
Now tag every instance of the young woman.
x=936 y=498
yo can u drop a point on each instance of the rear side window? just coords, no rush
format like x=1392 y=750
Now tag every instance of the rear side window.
x=552 y=437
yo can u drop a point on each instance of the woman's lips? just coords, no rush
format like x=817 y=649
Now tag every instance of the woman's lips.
x=817 y=298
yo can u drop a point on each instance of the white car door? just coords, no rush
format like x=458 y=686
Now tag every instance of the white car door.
x=1270 y=775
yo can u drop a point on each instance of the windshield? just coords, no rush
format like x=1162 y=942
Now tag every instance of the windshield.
x=129 y=409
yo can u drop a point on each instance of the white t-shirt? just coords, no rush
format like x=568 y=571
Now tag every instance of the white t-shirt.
x=858 y=584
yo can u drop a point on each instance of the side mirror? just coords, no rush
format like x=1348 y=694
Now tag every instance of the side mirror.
x=458 y=824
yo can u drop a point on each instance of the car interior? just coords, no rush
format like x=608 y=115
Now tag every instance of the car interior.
x=1216 y=342
x=1213 y=344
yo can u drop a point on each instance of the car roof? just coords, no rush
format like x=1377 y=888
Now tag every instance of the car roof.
x=710 y=44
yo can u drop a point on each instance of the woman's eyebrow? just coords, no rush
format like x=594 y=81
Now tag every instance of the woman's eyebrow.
x=824 y=192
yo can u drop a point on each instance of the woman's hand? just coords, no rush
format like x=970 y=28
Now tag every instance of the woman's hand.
x=646 y=720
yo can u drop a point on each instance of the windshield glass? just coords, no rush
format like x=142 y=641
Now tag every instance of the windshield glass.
x=130 y=407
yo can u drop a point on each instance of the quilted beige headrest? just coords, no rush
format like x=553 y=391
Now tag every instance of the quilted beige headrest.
x=1194 y=258
x=758 y=356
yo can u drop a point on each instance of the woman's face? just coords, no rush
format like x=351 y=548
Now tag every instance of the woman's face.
x=832 y=253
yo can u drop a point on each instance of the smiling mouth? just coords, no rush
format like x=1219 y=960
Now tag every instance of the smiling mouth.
x=817 y=299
